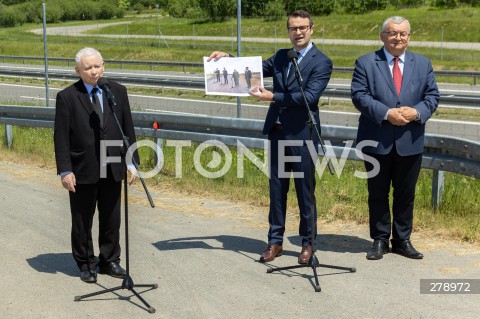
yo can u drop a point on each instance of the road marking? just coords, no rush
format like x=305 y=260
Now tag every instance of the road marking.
x=173 y=112
x=35 y=98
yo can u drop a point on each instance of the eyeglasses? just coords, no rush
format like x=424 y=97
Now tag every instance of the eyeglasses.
x=302 y=28
x=393 y=34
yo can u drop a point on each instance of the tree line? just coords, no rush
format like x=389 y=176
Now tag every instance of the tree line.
x=17 y=12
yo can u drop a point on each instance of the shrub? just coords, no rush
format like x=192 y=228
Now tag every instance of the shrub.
x=360 y=7
x=11 y=16
x=32 y=12
x=54 y=14
x=274 y=10
x=447 y=3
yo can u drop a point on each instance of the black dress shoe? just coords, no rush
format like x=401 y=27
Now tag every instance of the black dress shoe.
x=113 y=269
x=88 y=276
x=405 y=248
x=379 y=248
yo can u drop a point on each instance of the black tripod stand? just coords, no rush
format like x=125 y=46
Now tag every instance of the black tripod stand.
x=127 y=280
x=313 y=261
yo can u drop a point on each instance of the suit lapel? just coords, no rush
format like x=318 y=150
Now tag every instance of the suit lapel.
x=83 y=97
x=291 y=74
x=107 y=112
x=285 y=71
x=303 y=64
x=408 y=67
x=85 y=101
x=382 y=65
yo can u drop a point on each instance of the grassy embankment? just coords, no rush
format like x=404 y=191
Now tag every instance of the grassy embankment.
x=458 y=25
x=340 y=197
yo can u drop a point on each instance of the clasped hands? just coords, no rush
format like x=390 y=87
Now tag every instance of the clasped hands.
x=402 y=115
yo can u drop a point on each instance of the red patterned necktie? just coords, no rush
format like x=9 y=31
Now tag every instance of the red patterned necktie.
x=397 y=75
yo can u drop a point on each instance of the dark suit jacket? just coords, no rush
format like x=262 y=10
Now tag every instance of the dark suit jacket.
x=373 y=93
x=289 y=106
x=78 y=133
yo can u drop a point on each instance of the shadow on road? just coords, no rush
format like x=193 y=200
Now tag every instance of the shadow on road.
x=233 y=243
x=327 y=242
x=342 y=243
x=54 y=263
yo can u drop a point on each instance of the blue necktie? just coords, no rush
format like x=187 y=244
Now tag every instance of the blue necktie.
x=96 y=105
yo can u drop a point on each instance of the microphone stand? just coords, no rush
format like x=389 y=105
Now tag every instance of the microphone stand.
x=127 y=280
x=313 y=261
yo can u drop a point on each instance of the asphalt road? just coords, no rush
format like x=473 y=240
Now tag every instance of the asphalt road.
x=29 y=94
x=202 y=254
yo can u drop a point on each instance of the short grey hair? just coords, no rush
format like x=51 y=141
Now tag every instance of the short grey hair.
x=86 y=52
x=396 y=20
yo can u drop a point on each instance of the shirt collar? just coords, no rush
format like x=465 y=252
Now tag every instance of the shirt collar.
x=90 y=88
x=303 y=51
x=390 y=57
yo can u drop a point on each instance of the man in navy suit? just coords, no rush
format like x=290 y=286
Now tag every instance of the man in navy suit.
x=288 y=132
x=83 y=120
x=396 y=93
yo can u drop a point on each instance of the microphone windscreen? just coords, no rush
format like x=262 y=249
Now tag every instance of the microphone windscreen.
x=102 y=81
x=292 y=54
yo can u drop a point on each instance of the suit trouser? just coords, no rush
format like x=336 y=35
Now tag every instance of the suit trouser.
x=279 y=187
x=106 y=195
x=402 y=173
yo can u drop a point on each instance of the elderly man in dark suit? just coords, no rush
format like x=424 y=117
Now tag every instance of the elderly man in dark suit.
x=83 y=120
x=286 y=122
x=396 y=93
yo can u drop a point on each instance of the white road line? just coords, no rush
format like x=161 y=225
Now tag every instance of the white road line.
x=173 y=112
x=107 y=72
x=455 y=122
x=29 y=86
x=35 y=98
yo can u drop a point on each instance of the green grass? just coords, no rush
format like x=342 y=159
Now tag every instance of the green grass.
x=341 y=197
x=457 y=25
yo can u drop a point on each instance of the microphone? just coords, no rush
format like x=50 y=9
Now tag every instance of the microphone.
x=293 y=57
x=103 y=84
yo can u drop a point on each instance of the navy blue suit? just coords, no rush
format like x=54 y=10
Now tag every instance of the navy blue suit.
x=399 y=150
x=289 y=109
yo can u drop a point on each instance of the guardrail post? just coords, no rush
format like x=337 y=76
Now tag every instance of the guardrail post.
x=437 y=188
x=474 y=80
x=8 y=135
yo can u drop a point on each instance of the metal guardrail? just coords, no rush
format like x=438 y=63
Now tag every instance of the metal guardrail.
x=442 y=153
x=185 y=65
x=448 y=73
x=331 y=91
x=121 y=63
